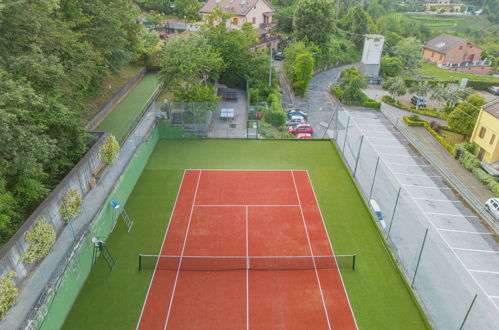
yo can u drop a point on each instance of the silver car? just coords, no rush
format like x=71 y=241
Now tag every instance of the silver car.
x=492 y=205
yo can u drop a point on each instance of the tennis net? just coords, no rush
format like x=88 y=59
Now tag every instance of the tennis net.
x=230 y=263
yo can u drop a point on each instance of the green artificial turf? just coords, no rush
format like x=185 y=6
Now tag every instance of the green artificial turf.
x=121 y=117
x=377 y=292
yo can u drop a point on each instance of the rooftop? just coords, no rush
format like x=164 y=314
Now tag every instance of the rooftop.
x=445 y=43
x=237 y=7
x=492 y=107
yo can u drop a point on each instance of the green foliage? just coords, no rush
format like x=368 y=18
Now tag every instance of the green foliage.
x=110 y=150
x=350 y=84
x=303 y=73
x=358 y=22
x=411 y=122
x=284 y=17
x=409 y=50
x=371 y=104
x=42 y=238
x=462 y=119
x=197 y=94
x=391 y=66
x=395 y=86
x=337 y=51
x=463 y=153
x=8 y=293
x=313 y=21
x=70 y=205
x=415 y=118
x=476 y=99
x=439 y=138
x=275 y=118
x=390 y=100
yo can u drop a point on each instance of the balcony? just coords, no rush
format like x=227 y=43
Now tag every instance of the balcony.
x=265 y=27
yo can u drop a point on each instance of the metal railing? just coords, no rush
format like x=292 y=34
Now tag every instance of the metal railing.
x=470 y=198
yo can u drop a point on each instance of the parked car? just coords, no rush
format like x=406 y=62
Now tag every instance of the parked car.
x=415 y=99
x=493 y=90
x=378 y=213
x=492 y=205
x=295 y=120
x=301 y=128
x=279 y=56
x=303 y=136
x=296 y=113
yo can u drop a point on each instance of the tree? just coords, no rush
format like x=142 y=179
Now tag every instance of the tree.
x=110 y=150
x=395 y=86
x=450 y=94
x=313 y=21
x=351 y=82
x=391 y=66
x=476 y=99
x=284 y=17
x=190 y=63
x=187 y=8
x=421 y=89
x=463 y=118
x=8 y=293
x=303 y=73
x=409 y=50
x=42 y=238
x=357 y=22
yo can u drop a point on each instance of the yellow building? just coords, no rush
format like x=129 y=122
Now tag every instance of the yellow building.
x=486 y=132
x=445 y=5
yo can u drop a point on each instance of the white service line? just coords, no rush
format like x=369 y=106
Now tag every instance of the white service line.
x=311 y=251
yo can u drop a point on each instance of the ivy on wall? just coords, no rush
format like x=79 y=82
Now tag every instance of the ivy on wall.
x=42 y=238
x=8 y=293
x=110 y=150
x=70 y=204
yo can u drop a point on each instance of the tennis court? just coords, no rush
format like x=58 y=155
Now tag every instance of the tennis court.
x=246 y=249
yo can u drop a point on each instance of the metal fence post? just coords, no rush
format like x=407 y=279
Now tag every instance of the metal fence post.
x=329 y=124
x=346 y=136
x=374 y=179
x=358 y=155
x=335 y=135
x=393 y=214
x=468 y=312
x=419 y=258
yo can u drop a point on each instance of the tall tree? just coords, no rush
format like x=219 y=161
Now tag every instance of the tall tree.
x=313 y=21
x=358 y=22
x=395 y=86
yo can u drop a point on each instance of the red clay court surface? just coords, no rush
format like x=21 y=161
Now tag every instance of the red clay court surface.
x=246 y=213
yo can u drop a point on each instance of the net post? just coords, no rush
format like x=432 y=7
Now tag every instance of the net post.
x=353 y=261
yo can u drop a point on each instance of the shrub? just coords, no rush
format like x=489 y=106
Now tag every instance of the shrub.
x=439 y=138
x=8 y=293
x=410 y=122
x=415 y=118
x=388 y=99
x=435 y=126
x=480 y=84
x=110 y=150
x=337 y=92
x=275 y=118
x=372 y=104
x=42 y=238
x=70 y=204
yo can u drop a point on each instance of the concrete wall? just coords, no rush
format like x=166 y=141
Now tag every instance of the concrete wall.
x=78 y=178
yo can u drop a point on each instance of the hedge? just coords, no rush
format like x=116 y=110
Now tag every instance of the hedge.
x=415 y=121
x=410 y=122
x=472 y=163
x=390 y=100
x=473 y=83
x=371 y=104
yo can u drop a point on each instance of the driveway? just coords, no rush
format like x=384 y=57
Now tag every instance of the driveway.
x=230 y=128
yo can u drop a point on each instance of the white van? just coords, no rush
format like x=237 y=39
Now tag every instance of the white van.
x=492 y=205
x=378 y=213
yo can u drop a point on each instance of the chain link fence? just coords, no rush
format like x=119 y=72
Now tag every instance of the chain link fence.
x=449 y=295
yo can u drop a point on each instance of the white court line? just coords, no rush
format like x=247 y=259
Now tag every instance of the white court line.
x=474 y=250
x=418 y=175
x=247 y=273
x=465 y=231
x=426 y=187
x=494 y=297
x=483 y=271
x=436 y=200
x=244 y=205
x=183 y=248
x=331 y=246
x=161 y=249
x=311 y=251
x=451 y=215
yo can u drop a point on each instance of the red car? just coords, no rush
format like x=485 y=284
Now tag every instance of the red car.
x=301 y=128
x=303 y=136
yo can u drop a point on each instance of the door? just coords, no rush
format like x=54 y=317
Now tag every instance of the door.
x=481 y=153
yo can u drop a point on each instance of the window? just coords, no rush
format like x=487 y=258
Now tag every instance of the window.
x=482 y=132
x=235 y=21
x=460 y=47
x=441 y=56
x=254 y=20
x=432 y=54
x=492 y=139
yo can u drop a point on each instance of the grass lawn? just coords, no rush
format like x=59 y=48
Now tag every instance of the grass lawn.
x=452 y=137
x=427 y=69
x=377 y=292
x=110 y=86
x=118 y=121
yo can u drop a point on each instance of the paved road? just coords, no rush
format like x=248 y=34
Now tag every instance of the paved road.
x=461 y=257
x=230 y=128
